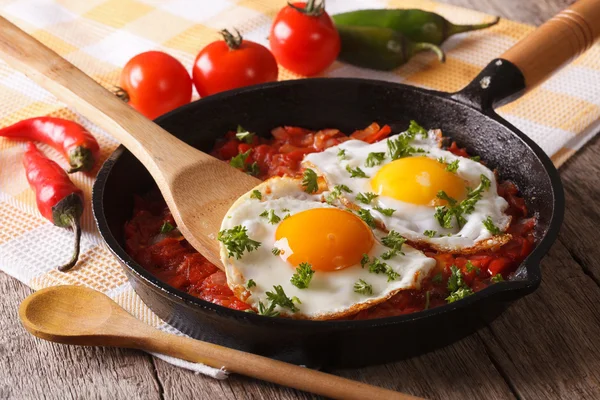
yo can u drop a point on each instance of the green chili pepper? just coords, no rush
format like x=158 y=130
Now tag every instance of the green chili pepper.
x=379 y=48
x=416 y=25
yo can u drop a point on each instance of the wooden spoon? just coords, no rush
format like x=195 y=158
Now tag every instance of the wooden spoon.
x=83 y=316
x=197 y=187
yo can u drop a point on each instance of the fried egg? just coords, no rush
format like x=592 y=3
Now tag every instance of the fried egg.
x=295 y=229
x=407 y=190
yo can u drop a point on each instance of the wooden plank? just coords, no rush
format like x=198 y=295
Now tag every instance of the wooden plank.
x=547 y=344
x=33 y=368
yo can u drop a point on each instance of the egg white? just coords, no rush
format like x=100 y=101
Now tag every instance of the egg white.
x=330 y=294
x=412 y=220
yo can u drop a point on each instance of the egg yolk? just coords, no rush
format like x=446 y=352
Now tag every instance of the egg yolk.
x=327 y=238
x=417 y=180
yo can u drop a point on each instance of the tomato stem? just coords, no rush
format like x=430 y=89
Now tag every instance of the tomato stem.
x=312 y=8
x=74 y=221
x=121 y=94
x=233 y=42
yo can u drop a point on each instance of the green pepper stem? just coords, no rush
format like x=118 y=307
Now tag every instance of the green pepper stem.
x=454 y=29
x=418 y=47
x=77 y=230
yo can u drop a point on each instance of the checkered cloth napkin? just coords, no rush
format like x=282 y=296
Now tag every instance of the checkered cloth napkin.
x=99 y=36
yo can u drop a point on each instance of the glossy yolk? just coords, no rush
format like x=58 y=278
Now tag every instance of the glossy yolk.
x=417 y=180
x=327 y=238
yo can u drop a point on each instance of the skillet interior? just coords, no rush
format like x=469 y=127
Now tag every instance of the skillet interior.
x=347 y=104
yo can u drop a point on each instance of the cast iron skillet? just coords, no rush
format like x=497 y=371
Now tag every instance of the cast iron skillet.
x=348 y=104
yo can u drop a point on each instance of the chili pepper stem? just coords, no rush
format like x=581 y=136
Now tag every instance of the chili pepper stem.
x=454 y=29
x=418 y=47
x=74 y=221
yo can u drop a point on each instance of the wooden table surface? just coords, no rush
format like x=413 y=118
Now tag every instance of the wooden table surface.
x=545 y=346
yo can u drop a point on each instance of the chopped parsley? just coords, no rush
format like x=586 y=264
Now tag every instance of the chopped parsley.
x=441 y=160
x=279 y=298
x=366 y=216
x=336 y=193
x=364 y=260
x=356 y=172
x=385 y=211
x=489 y=225
x=374 y=159
x=377 y=266
x=309 y=181
x=367 y=197
x=393 y=240
x=390 y=253
x=497 y=278
x=250 y=283
x=239 y=162
x=256 y=194
x=276 y=251
x=363 y=287
x=470 y=267
x=243 y=135
x=415 y=129
x=341 y=154
x=437 y=278
x=400 y=147
x=296 y=300
x=457 y=286
x=429 y=233
x=445 y=214
x=271 y=216
x=475 y=158
x=303 y=275
x=166 y=227
x=452 y=167
x=236 y=241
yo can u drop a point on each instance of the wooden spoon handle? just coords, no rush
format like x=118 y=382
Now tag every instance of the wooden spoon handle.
x=151 y=144
x=556 y=42
x=265 y=369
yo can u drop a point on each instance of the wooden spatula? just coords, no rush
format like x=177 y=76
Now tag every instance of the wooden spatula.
x=197 y=187
x=82 y=316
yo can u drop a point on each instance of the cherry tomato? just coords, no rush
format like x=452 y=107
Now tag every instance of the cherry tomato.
x=304 y=39
x=155 y=83
x=232 y=63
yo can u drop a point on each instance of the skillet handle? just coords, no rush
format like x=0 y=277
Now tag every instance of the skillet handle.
x=556 y=42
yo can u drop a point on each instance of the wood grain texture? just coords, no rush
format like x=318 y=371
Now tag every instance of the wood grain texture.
x=544 y=347
x=184 y=175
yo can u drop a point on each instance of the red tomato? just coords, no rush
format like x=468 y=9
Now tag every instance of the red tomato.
x=304 y=39
x=232 y=63
x=155 y=83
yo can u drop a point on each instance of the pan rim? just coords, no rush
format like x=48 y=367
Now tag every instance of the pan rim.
x=531 y=263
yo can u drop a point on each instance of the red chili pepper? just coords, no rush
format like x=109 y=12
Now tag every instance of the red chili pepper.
x=71 y=139
x=58 y=199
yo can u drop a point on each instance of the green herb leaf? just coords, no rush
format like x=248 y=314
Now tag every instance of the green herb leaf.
x=415 y=129
x=429 y=233
x=280 y=298
x=250 y=283
x=437 y=278
x=296 y=300
x=166 y=227
x=236 y=241
x=267 y=311
x=239 y=161
x=271 y=216
x=400 y=147
x=497 y=278
x=374 y=159
x=376 y=266
x=393 y=240
x=367 y=197
x=363 y=287
x=366 y=216
x=243 y=135
x=303 y=275
x=336 y=193
x=276 y=251
x=309 y=181
x=475 y=158
x=445 y=214
x=256 y=194
x=385 y=211
x=470 y=267
x=364 y=260
x=459 y=294
x=356 y=172
x=489 y=225
x=457 y=286
x=253 y=169
x=452 y=167
x=341 y=154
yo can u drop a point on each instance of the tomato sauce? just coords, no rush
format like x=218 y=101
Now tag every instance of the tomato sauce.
x=160 y=249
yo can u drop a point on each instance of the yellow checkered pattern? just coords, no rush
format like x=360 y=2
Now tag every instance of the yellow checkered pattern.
x=99 y=36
